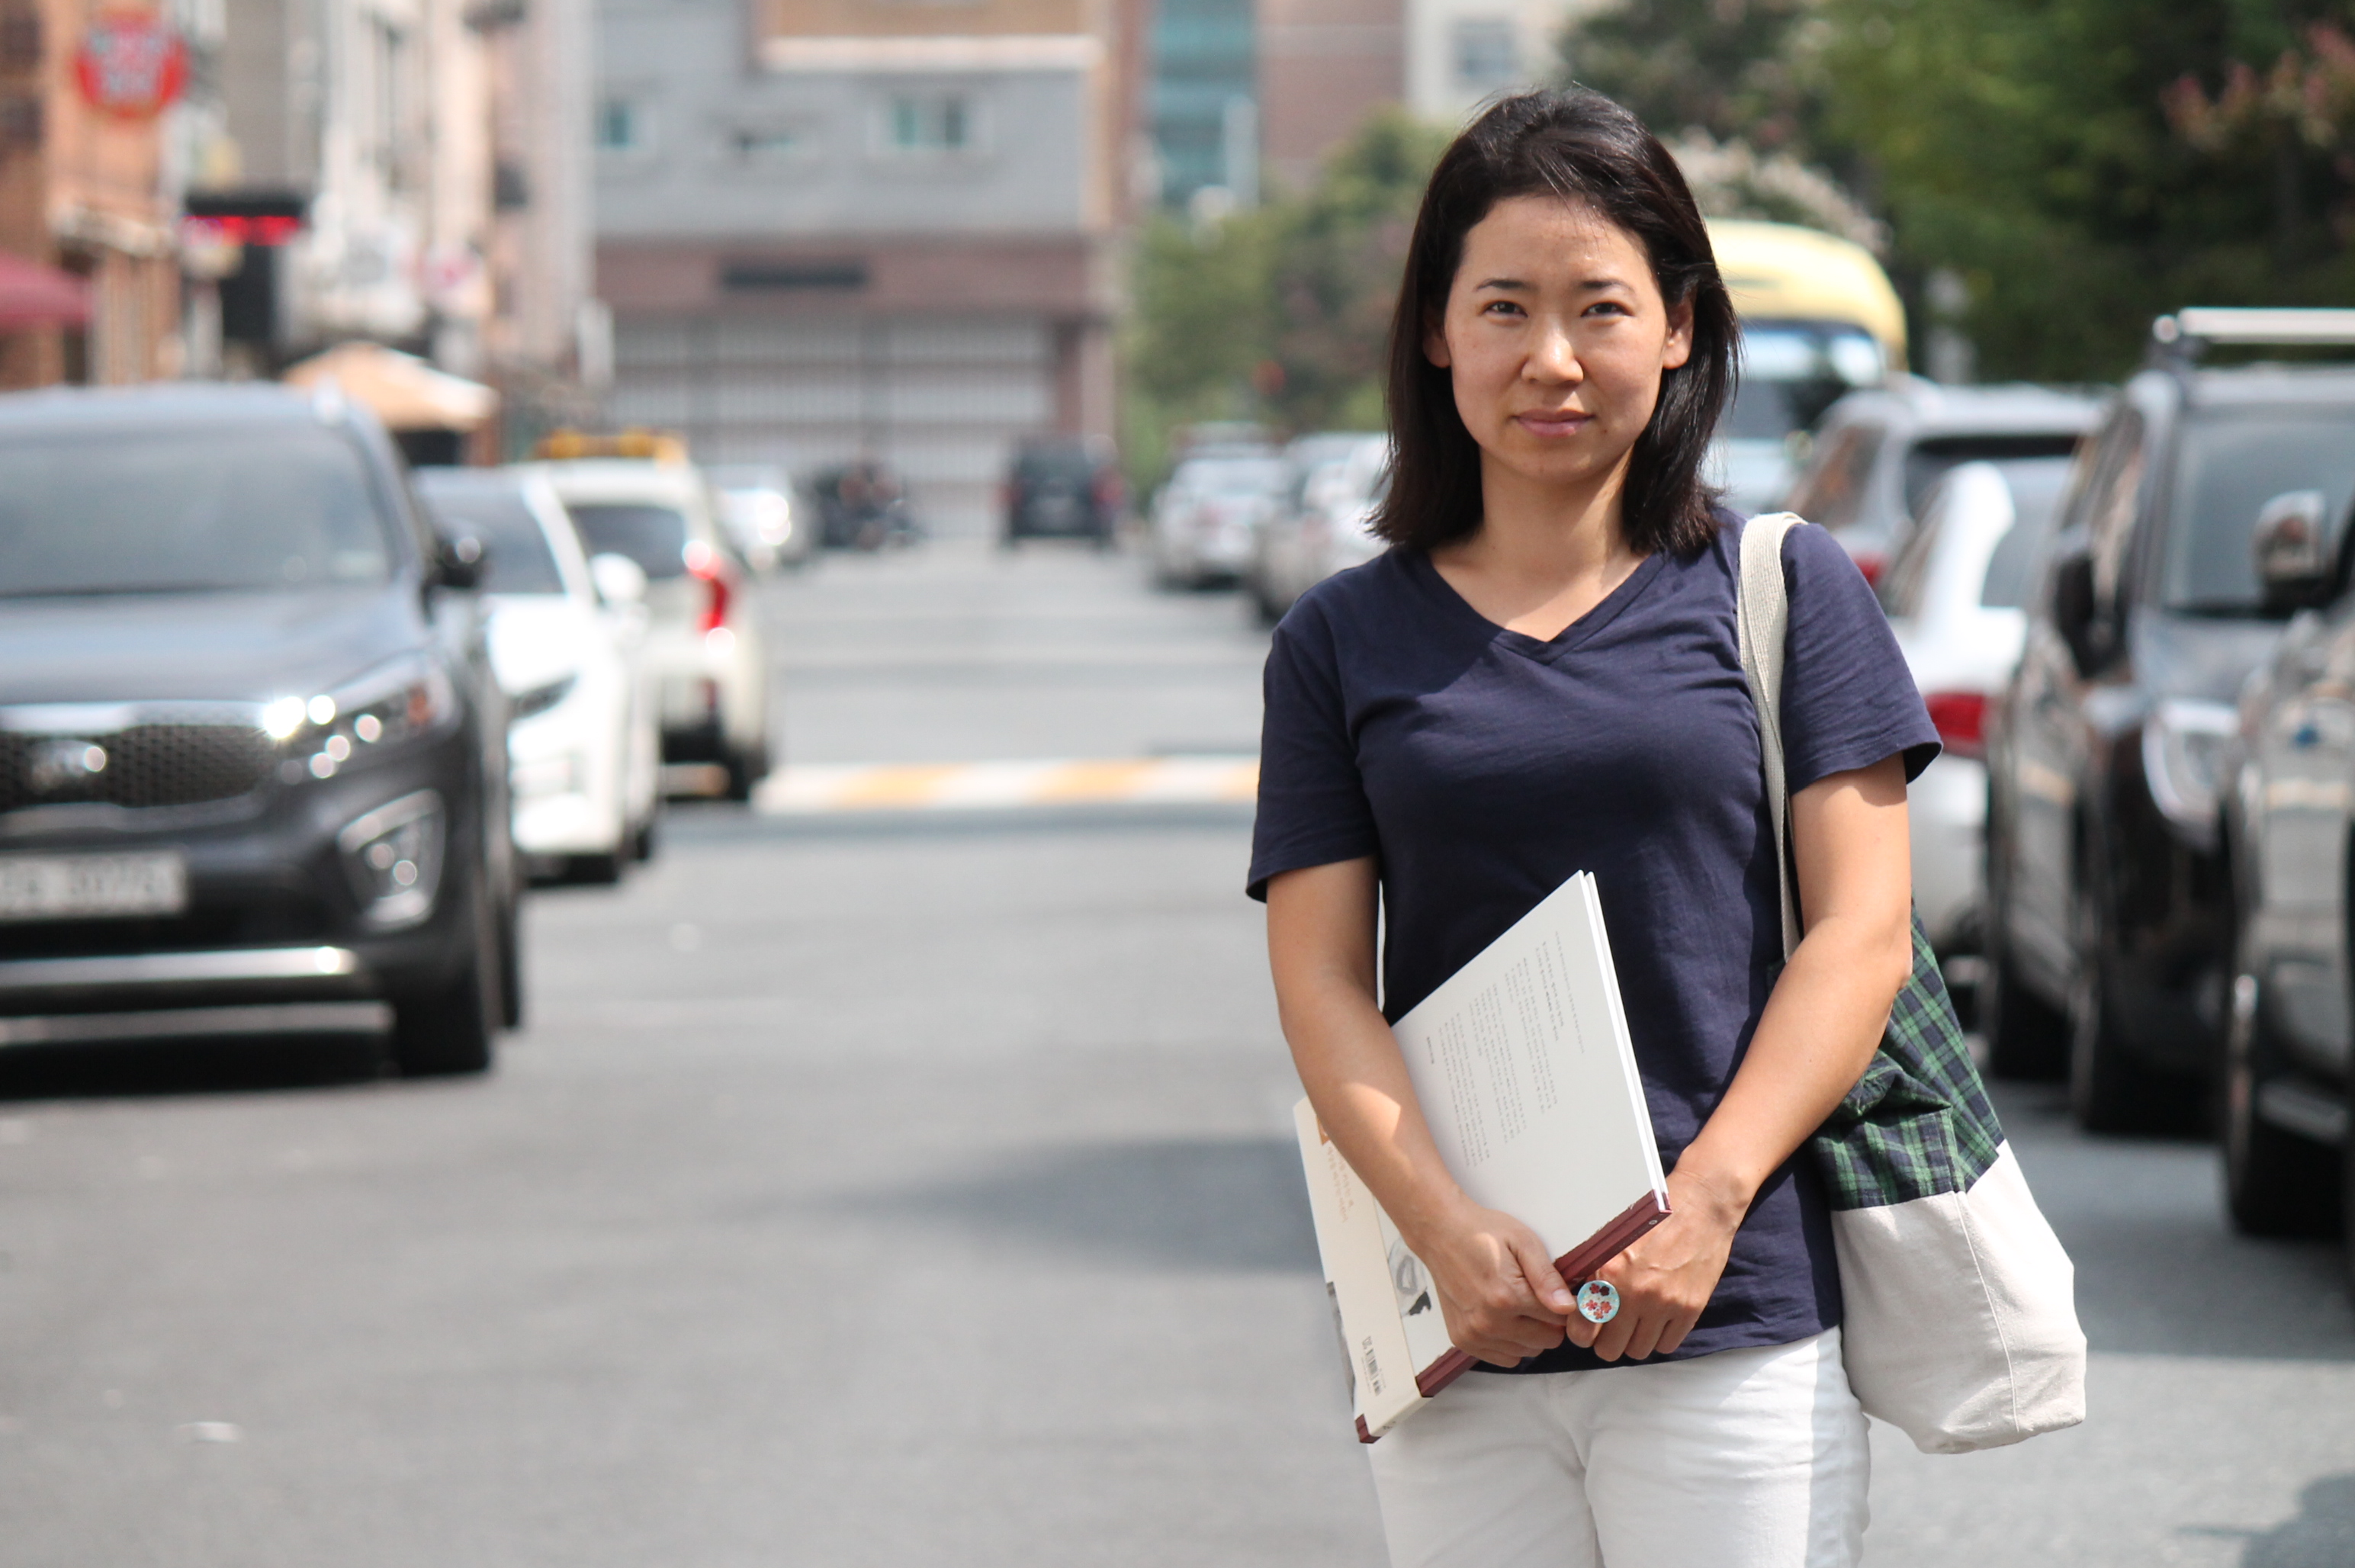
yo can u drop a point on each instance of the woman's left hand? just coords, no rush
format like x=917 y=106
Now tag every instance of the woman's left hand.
x=1666 y=1278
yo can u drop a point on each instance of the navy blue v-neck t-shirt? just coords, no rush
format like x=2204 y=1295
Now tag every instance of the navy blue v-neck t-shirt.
x=1481 y=768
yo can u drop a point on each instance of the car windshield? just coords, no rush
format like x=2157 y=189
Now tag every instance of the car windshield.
x=1791 y=374
x=2232 y=465
x=1070 y=463
x=517 y=558
x=205 y=509
x=654 y=537
x=1932 y=457
x=2036 y=483
x=1235 y=476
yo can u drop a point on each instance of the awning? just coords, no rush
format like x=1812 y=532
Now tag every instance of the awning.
x=399 y=388
x=32 y=295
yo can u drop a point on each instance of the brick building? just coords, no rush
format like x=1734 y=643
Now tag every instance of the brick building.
x=838 y=228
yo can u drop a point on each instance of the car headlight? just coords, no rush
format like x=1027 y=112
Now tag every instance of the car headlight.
x=393 y=858
x=540 y=698
x=363 y=718
x=2187 y=744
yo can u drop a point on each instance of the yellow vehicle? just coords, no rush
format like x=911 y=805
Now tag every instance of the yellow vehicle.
x=646 y=445
x=1819 y=320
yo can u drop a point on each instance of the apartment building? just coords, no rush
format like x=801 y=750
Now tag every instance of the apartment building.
x=1326 y=65
x=86 y=100
x=410 y=172
x=830 y=228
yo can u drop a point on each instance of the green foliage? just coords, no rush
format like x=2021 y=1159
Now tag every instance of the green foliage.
x=1732 y=68
x=2030 y=145
x=2083 y=165
x=1279 y=314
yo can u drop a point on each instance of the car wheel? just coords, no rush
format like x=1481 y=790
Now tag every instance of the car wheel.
x=511 y=964
x=746 y=769
x=2026 y=1036
x=596 y=871
x=642 y=842
x=451 y=1030
x=2276 y=1182
x=2111 y=1090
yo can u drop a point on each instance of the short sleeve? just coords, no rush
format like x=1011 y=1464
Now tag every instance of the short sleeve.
x=1312 y=801
x=1848 y=699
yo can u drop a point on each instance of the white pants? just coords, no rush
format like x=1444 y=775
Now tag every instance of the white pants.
x=1743 y=1459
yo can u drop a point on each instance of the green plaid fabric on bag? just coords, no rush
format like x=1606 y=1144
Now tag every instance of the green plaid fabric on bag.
x=1919 y=1122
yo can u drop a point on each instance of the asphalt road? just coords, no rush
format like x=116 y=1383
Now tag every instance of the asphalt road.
x=914 y=1188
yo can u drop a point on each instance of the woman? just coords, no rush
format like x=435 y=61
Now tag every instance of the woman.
x=1540 y=678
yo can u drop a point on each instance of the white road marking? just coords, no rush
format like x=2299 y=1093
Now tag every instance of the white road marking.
x=812 y=789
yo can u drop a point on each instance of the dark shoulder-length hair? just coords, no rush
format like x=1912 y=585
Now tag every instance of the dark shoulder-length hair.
x=1580 y=145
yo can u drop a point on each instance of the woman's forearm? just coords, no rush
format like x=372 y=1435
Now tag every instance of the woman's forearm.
x=1829 y=1007
x=1820 y=1029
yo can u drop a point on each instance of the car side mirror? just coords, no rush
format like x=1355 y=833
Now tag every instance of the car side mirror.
x=618 y=579
x=2076 y=615
x=458 y=561
x=2292 y=550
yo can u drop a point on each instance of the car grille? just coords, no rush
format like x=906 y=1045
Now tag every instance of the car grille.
x=138 y=765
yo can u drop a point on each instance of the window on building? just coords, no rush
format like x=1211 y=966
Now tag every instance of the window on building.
x=917 y=123
x=767 y=142
x=1488 y=53
x=624 y=126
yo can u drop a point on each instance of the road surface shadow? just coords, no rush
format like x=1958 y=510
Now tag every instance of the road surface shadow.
x=2143 y=1220
x=1230 y=1205
x=2321 y=1534
x=201 y=1065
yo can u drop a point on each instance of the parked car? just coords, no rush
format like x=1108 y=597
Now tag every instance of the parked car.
x=863 y=505
x=1064 y=487
x=757 y=507
x=1819 y=319
x=2107 y=891
x=703 y=648
x=1207 y=514
x=1322 y=528
x=1879 y=452
x=251 y=749
x=583 y=750
x=1955 y=598
x=2289 y=1044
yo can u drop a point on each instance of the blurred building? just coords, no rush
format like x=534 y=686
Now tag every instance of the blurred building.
x=838 y=228
x=1326 y=65
x=410 y=172
x=1323 y=67
x=1205 y=96
x=85 y=94
x=1461 y=53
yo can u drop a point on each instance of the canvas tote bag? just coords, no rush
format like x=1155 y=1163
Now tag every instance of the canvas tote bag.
x=1961 y=1321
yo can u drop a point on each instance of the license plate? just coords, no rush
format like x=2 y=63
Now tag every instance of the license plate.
x=85 y=887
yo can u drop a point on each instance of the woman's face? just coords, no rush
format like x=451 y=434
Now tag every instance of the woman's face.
x=1555 y=336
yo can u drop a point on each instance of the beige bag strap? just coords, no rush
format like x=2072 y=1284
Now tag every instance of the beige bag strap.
x=1762 y=615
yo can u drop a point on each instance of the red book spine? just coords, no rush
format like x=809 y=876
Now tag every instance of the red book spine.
x=1575 y=1267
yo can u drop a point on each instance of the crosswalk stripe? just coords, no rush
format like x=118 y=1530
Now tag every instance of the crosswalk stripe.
x=815 y=788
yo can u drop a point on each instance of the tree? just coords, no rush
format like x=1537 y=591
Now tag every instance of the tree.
x=1278 y=315
x=2030 y=145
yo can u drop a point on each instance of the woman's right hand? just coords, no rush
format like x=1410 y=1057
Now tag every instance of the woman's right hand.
x=1497 y=1289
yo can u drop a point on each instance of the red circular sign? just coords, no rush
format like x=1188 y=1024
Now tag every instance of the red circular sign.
x=131 y=64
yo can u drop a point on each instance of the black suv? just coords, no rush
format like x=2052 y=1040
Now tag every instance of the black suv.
x=1065 y=486
x=250 y=750
x=2107 y=894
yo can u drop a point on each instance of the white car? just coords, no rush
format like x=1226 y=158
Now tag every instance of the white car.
x=1325 y=528
x=757 y=507
x=1955 y=596
x=1208 y=515
x=566 y=636
x=703 y=636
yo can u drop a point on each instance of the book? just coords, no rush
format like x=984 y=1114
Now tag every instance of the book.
x=1526 y=1073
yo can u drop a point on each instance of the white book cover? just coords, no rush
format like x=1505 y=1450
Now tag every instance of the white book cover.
x=1526 y=1073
